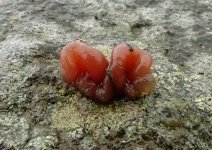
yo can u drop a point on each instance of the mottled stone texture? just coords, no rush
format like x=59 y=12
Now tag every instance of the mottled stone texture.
x=38 y=111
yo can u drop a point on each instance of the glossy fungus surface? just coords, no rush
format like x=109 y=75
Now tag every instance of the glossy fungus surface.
x=87 y=69
x=84 y=68
x=130 y=71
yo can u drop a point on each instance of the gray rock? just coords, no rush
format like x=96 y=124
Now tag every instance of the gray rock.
x=39 y=111
x=14 y=131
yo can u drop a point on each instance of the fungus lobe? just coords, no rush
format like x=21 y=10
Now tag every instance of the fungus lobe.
x=130 y=69
x=84 y=68
x=87 y=69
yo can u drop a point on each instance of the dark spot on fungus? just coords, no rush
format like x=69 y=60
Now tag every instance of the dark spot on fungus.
x=130 y=47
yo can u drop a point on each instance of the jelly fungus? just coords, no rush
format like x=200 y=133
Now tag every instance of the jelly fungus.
x=87 y=69
x=130 y=71
x=84 y=68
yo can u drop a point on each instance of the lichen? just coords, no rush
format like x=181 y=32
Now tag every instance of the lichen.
x=79 y=111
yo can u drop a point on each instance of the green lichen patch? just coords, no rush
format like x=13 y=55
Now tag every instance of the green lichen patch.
x=77 y=112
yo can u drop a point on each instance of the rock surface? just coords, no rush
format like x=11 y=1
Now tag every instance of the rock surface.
x=38 y=111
